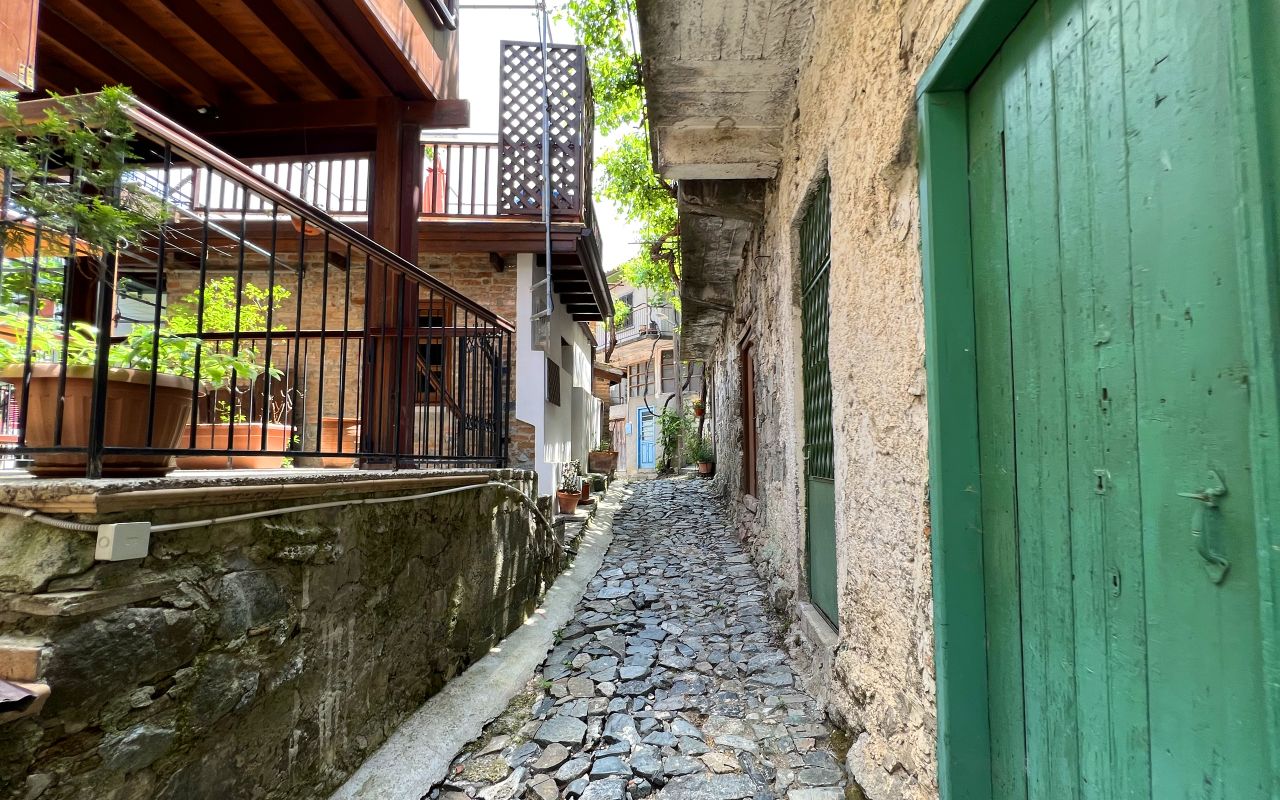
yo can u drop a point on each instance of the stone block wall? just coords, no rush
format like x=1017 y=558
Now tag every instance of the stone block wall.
x=854 y=117
x=265 y=658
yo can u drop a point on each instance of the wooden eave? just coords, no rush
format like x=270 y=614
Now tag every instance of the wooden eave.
x=259 y=77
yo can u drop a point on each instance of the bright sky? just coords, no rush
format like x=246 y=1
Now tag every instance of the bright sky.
x=481 y=31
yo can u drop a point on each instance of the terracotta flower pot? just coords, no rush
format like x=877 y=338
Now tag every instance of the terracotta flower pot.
x=586 y=491
x=241 y=436
x=330 y=429
x=568 y=501
x=704 y=467
x=128 y=390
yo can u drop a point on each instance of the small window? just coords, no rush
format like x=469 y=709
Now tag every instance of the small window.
x=640 y=378
x=746 y=358
x=553 y=383
x=668 y=372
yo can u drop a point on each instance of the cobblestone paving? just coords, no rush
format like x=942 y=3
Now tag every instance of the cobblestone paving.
x=670 y=681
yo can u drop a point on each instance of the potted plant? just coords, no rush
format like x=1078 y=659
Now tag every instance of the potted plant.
x=569 y=492
x=702 y=453
x=334 y=430
x=222 y=305
x=67 y=197
x=699 y=407
x=604 y=459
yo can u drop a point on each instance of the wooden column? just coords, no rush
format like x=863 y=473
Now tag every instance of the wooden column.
x=391 y=302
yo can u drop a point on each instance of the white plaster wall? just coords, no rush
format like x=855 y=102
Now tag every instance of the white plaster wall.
x=566 y=431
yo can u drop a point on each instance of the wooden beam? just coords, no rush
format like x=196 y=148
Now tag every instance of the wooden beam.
x=233 y=51
x=337 y=115
x=393 y=42
x=294 y=143
x=73 y=42
x=299 y=46
x=338 y=36
x=119 y=18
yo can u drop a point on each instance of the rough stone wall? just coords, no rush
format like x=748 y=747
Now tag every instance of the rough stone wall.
x=258 y=659
x=855 y=116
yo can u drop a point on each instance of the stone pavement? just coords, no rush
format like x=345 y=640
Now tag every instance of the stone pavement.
x=670 y=681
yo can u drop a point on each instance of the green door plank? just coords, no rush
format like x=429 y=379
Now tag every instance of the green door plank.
x=1208 y=732
x=1102 y=450
x=995 y=427
x=1040 y=433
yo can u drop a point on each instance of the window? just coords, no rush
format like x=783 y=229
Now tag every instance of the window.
x=693 y=371
x=617 y=393
x=668 y=371
x=553 y=383
x=640 y=378
x=746 y=358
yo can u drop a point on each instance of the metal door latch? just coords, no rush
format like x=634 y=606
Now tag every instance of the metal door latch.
x=1208 y=541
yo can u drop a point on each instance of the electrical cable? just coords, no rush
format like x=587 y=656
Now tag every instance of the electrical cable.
x=86 y=527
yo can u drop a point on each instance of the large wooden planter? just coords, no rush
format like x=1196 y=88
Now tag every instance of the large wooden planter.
x=128 y=395
x=241 y=436
x=602 y=461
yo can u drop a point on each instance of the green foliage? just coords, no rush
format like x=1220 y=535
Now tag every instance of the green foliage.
x=621 y=314
x=700 y=450
x=606 y=28
x=571 y=476
x=216 y=304
x=91 y=139
x=672 y=429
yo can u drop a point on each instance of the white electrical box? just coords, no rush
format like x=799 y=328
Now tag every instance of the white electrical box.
x=122 y=541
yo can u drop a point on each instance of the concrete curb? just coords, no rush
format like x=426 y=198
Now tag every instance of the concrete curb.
x=417 y=755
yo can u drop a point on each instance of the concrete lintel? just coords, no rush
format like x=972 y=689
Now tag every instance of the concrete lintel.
x=718 y=149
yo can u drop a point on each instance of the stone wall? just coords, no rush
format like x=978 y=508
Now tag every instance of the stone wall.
x=854 y=116
x=259 y=659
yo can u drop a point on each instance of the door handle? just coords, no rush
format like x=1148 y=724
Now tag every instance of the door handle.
x=1205 y=532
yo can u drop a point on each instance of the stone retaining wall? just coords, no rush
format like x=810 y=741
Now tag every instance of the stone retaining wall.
x=259 y=659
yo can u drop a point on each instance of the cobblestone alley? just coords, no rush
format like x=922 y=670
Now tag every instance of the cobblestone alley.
x=670 y=680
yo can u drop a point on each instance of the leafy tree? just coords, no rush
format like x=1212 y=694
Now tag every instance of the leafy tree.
x=607 y=29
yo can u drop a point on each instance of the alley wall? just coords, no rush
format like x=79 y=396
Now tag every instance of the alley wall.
x=855 y=118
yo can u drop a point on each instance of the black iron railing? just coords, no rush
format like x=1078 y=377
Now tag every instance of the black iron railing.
x=248 y=330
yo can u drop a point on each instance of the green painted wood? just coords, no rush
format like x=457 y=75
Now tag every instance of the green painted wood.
x=1039 y=411
x=956 y=485
x=1256 y=58
x=815 y=311
x=995 y=422
x=1207 y=716
x=959 y=617
x=1110 y=630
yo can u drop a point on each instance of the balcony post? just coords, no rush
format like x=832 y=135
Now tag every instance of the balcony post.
x=391 y=301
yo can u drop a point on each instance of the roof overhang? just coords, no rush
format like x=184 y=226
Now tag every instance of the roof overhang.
x=258 y=71
x=720 y=86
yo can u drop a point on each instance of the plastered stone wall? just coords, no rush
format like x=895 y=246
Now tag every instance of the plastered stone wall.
x=259 y=659
x=854 y=115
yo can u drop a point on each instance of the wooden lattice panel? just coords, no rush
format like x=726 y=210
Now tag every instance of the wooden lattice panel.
x=520 y=126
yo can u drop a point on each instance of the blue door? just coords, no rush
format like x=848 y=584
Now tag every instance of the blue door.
x=646 y=457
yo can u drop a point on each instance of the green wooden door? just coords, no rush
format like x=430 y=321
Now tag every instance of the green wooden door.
x=815 y=312
x=1119 y=538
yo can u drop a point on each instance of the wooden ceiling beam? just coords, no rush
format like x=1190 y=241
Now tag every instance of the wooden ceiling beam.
x=77 y=48
x=118 y=17
x=299 y=46
x=316 y=11
x=233 y=51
